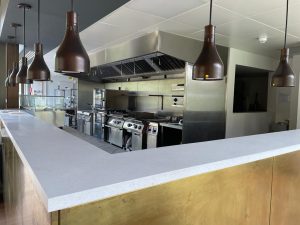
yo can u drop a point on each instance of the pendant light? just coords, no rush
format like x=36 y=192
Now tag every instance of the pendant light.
x=22 y=74
x=71 y=57
x=284 y=75
x=38 y=70
x=13 y=75
x=209 y=65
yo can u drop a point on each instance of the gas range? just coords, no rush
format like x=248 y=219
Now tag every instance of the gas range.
x=116 y=122
x=134 y=125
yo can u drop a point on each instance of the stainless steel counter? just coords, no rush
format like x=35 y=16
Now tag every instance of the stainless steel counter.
x=172 y=125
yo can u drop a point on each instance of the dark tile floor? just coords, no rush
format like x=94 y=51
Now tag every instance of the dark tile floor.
x=94 y=141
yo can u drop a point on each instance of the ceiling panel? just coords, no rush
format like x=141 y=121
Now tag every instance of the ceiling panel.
x=238 y=23
x=174 y=27
x=252 y=7
x=294 y=29
x=199 y=17
x=276 y=17
x=247 y=28
x=164 y=8
x=130 y=19
x=103 y=33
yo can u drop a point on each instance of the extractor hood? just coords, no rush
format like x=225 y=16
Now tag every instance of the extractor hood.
x=156 y=53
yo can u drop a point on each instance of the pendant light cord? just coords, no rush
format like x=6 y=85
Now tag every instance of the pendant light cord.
x=24 y=37
x=210 y=12
x=39 y=21
x=72 y=5
x=286 y=21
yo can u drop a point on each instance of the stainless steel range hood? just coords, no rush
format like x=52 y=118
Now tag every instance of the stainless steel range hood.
x=155 y=53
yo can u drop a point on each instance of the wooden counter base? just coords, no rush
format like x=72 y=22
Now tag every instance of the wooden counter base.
x=244 y=194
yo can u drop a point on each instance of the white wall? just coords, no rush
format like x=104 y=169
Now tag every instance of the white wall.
x=241 y=124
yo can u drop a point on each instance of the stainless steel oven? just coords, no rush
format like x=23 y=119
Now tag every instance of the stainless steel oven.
x=88 y=123
x=115 y=131
x=99 y=123
x=152 y=135
x=135 y=138
x=80 y=121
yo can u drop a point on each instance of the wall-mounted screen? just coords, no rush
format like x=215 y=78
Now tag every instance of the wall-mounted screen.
x=250 y=89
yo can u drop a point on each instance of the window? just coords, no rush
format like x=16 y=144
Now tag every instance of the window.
x=250 y=89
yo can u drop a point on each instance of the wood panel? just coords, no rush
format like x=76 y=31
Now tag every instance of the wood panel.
x=286 y=190
x=234 y=196
x=21 y=200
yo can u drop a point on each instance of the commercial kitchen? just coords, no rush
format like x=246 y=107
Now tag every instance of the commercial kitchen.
x=161 y=112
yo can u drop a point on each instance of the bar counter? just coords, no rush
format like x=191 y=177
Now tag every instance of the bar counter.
x=74 y=180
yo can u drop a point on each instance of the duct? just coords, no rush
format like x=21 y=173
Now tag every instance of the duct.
x=153 y=54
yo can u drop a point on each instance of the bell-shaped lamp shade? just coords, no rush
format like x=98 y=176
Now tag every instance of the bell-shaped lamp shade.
x=38 y=70
x=209 y=65
x=13 y=75
x=22 y=74
x=284 y=75
x=71 y=57
x=7 y=84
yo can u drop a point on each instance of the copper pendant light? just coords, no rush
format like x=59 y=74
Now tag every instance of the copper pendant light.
x=71 y=57
x=13 y=75
x=38 y=70
x=209 y=65
x=22 y=74
x=284 y=75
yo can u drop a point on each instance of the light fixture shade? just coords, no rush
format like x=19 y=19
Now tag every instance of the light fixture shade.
x=71 y=57
x=209 y=65
x=22 y=74
x=38 y=70
x=13 y=75
x=284 y=75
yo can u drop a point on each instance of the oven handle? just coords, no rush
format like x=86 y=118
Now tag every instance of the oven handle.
x=113 y=127
x=138 y=134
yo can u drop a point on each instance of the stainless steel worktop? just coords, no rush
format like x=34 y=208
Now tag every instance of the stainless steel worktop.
x=172 y=125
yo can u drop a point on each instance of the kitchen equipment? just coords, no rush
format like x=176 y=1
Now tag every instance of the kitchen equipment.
x=69 y=118
x=177 y=87
x=99 y=123
x=106 y=99
x=152 y=135
x=178 y=100
x=88 y=123
x=115 y=130
x=80 y=121
x=204 y=109
x=135 y=136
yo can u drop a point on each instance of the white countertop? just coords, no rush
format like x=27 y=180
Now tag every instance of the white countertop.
x=70 y=172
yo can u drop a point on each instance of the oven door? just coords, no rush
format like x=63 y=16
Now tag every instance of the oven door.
x=137 y=141
x=151 y=140
x=115 y=136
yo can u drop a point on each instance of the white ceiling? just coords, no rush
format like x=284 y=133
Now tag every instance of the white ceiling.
x=238 y=23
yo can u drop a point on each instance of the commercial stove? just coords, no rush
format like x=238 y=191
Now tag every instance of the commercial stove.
x=115 y=130
x=135 y=135
x=154 y=132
